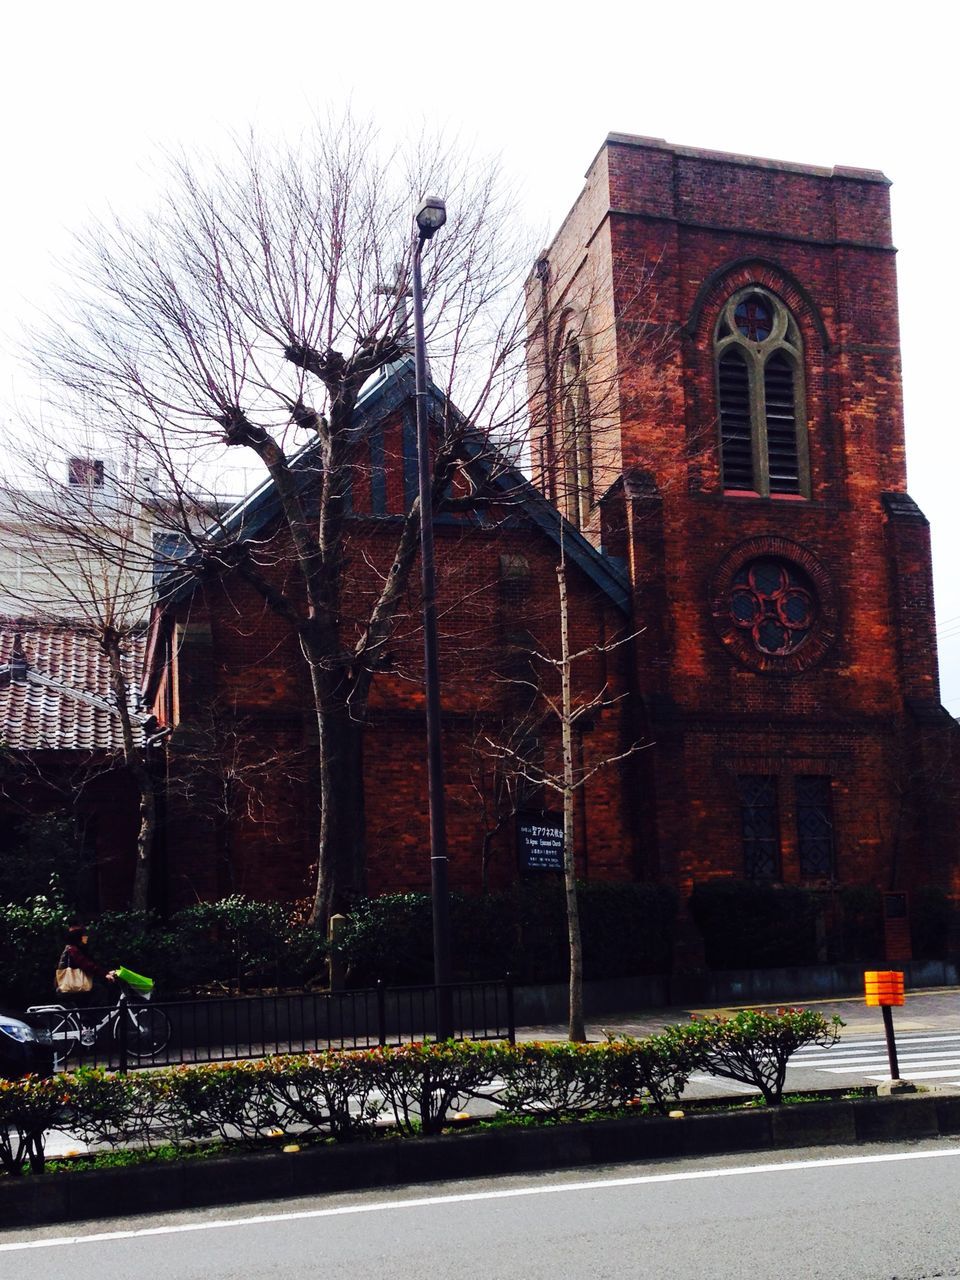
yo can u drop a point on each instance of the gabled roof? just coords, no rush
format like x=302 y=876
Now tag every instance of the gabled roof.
x=382 y=397
x=55 y=689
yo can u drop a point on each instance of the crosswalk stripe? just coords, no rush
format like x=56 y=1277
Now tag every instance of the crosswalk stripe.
x=927 y=1075
x=921 y=1065
x=829 y=1060
x=859 y=1043
x=720 y=1082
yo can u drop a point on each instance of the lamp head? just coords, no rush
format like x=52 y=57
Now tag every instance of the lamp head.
x=430 y=216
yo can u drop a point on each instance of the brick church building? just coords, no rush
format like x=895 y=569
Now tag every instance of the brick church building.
x=718 y=444
x=743 y=457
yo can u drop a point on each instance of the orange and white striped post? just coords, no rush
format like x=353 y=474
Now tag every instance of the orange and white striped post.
x=884 y=987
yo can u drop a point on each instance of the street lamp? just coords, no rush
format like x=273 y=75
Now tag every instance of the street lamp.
x=430 y=216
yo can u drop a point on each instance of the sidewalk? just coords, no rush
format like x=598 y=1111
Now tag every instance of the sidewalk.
x=925 y=1010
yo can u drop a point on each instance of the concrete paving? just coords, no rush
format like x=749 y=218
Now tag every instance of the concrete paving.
x=926 y=1010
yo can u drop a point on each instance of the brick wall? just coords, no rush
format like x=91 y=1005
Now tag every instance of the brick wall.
x=681 y=231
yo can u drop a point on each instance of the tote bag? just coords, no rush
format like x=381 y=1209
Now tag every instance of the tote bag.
x=71 y=982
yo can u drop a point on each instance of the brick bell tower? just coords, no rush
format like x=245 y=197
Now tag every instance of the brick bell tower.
x=716 y=401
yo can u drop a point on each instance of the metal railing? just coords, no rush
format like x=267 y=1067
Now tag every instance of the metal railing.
x=168 y=1033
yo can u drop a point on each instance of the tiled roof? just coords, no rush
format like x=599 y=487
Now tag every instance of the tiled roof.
x=55 y=689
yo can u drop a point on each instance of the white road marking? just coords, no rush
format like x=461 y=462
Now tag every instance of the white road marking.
x=867 y=1061
x=728 y=1086
x=866 y=1042
x=389 y=1206
x=928 y=1070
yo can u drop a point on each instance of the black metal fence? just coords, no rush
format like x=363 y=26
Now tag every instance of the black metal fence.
x=134 y=1033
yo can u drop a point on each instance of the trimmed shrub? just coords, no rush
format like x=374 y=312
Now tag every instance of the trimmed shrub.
x=233 y=1101
x=136 y=939
x=753 y=1046
x=861 y=910
x=562 y=1078
x=747 y=924
x=341 y=1094
x=31 y=939
x=627 y=929
x=932 y=917
x=332 y=1092
x=232 y=944
x=29 y=1109
x=423 y=1083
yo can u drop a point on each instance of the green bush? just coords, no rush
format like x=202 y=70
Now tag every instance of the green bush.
x=341 y=1094
x=44 y=854
x=136 y=939
x=861 y=913
x=232 y=944
x=753 y=1046
x=627 y=929
x=31 y=940
x=333 y=1092
x=932 y=916
x=748 y=924
x=29 y=1109
x=423 y=1083
x=560 y=1078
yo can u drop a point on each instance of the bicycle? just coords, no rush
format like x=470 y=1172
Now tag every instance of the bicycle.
x=147 y=1028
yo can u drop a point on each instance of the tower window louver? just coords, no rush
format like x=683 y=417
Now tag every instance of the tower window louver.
x=759 y=359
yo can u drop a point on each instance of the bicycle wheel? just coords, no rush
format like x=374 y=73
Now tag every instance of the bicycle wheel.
x=148 y=1031
x=65 y=1033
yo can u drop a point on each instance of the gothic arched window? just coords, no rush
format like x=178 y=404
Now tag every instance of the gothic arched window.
x=576 y=467
x=760 y=401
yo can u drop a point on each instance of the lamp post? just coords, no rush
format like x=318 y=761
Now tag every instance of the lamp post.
x=430 y=216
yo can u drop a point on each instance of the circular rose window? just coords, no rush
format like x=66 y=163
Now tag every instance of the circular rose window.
x=773 y=605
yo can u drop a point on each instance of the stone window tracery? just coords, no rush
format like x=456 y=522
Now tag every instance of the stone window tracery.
x=576 y=452
x=774 y=603
x=759 y=362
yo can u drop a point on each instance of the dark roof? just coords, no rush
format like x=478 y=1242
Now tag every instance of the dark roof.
x=55 y=689
x=385 y=395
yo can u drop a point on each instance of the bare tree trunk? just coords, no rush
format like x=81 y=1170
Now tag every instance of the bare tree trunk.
x=576 y=1030
x=135 y=761
x=340 y=879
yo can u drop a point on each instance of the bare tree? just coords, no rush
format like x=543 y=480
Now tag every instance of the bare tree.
x=77 y=553
x=249 y=311
x=561 y=701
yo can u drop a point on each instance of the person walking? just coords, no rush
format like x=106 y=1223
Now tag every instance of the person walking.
x=77 y=971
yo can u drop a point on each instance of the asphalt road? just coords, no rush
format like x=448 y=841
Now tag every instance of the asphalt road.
x=883 y=1212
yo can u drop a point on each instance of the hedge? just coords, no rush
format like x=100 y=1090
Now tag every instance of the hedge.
x=627 y=930
x=233 y=944
x=750 y=924
x=342 y=1095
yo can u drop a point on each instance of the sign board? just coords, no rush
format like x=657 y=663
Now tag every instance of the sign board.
x=883 y=987
x=540 y=841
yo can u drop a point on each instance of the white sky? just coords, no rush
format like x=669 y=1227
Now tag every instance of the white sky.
x=90 y=93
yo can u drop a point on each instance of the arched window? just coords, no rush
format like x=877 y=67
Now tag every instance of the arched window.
x=759 y=362
x=576 y=463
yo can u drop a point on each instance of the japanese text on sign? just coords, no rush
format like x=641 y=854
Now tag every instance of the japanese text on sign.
x=540 y=843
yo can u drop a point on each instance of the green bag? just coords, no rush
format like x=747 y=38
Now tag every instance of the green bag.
x=135 y=980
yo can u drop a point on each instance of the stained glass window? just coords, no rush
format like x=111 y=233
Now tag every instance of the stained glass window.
x=760 y=818
x=815 y=840
x=759 y=362
x=774 y=602
x=754 y=317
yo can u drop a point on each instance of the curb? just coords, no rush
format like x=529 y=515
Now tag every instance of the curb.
x=145 y=1189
